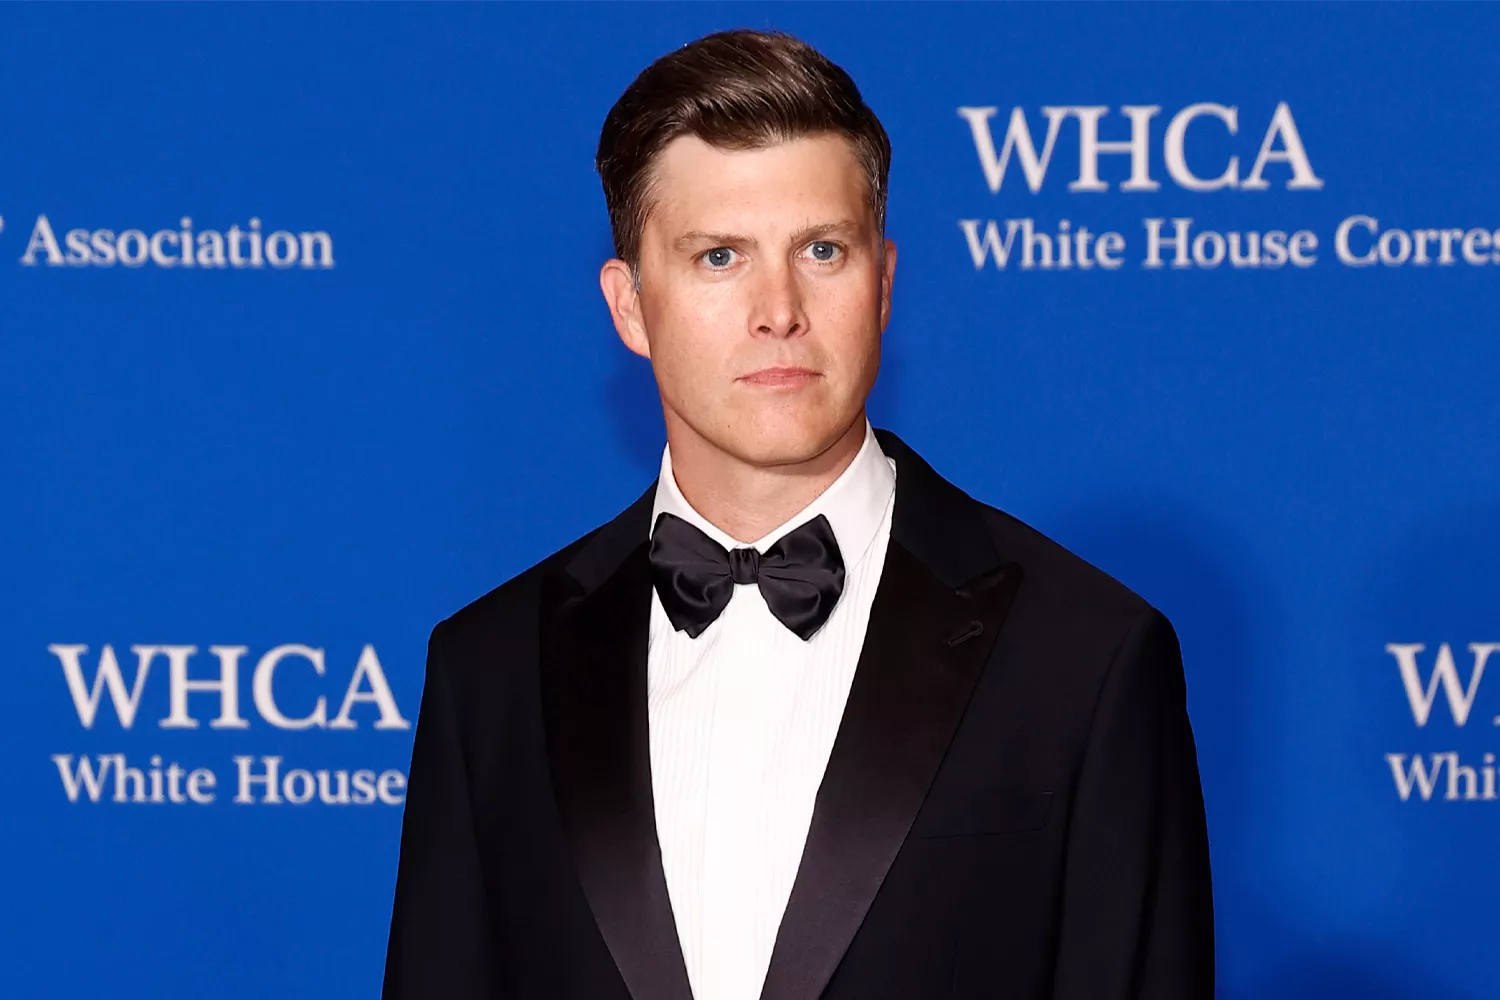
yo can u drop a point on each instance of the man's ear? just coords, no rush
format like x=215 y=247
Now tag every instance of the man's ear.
x=617 y=282
x=887 y=278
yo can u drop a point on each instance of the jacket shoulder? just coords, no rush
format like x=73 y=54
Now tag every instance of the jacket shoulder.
x=1057 y=576
x=1073 y=622
x=504 y=612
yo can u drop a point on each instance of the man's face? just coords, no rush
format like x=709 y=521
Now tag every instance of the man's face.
x=764 y=290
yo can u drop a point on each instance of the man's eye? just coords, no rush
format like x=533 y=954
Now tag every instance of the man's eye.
x=719 y=258
x=823 y=251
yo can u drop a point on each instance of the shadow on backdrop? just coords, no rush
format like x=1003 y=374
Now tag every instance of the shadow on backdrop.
x=1346 y=970
x=635 y=413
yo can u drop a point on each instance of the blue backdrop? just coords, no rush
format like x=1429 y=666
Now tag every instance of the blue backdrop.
x=383 y=381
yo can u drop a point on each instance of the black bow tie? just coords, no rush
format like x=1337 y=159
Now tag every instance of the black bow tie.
x=801 y=576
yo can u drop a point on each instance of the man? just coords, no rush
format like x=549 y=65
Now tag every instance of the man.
x=805 y=720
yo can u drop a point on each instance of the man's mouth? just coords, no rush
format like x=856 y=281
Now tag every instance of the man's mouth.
x=781 y=377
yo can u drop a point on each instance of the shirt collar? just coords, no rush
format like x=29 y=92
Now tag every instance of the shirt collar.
x=855 y=503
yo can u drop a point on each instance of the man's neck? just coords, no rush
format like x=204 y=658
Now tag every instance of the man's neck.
x=747 y=501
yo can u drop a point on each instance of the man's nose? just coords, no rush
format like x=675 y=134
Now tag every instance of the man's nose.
x=778 y=309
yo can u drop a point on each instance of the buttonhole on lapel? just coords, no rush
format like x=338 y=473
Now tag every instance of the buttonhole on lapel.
x=966 y=633
x=982 y=583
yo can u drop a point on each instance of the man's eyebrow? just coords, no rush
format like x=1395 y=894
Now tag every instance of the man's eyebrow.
x=844 y=227
x=698 y=237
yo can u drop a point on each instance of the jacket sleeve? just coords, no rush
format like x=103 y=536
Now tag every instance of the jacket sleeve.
x=1137 y=914
x=441 y=942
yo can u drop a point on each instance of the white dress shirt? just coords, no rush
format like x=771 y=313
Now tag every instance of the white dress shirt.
x=742 y=720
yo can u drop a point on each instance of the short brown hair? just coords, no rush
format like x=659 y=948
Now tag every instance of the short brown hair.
x=739 y=89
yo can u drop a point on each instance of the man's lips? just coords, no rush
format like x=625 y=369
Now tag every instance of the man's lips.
x=781 y=376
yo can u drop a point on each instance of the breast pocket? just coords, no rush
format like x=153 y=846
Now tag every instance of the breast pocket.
x=994 y=812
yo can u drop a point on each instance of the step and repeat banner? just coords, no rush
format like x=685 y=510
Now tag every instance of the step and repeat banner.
x=301 y=349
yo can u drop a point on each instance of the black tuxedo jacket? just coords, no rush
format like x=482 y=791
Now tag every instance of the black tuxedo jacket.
x=1011 y=808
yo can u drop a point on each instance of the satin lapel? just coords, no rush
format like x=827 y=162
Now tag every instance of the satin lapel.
x=925 y=647
x=593 y=646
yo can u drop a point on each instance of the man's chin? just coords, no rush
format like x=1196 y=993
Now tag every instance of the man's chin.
x=779 y=443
